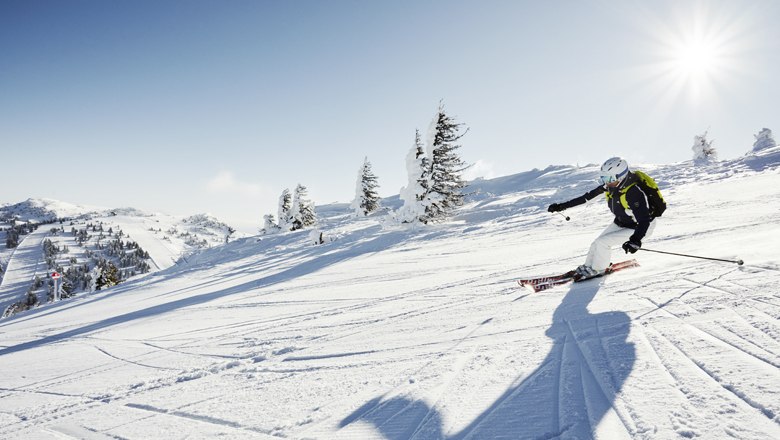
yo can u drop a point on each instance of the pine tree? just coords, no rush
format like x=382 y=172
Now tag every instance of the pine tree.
x=12 y=238
x=366 y=197
x=269 y=226
x=67 y=288
x=415 y=192
x=108 y=277
x=284 y=212
x=445 y=181
x=31 y=300
x=764 y=140
x=302 y=209
x=703 y=151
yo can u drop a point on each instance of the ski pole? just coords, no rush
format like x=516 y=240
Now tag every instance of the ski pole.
x=739 y=262
x=565 y=216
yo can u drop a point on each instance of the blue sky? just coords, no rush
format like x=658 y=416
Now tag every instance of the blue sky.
x=216 y=106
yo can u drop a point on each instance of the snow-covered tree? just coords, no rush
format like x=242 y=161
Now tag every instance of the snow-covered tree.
x=703 y=151
x=366 y=197
x=285 y=210
x=269 y=226
x=414 y=194
x=12 y=239
x=109 y=276
x=445 y=180
x=32 y=299
x=94 y=276
x=764 y=140
x=228 y=232
x=302 y=210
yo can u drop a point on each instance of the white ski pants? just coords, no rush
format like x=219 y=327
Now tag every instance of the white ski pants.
x=601 y=249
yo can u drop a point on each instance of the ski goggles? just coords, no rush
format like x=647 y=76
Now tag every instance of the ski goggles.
x=606 y=180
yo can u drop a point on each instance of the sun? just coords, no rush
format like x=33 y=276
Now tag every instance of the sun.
x=697 y=58
x=693 y=53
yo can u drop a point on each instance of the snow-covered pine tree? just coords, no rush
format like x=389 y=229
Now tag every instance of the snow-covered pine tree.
x=446 y=183
x=414 y=194
x=285 y=210
x=269 y=226
x=109 y=276
x=302 y=210
x=366 y=197
x=764 y=140
x=703 y=151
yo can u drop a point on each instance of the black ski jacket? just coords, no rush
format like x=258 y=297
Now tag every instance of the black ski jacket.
x=637 y=217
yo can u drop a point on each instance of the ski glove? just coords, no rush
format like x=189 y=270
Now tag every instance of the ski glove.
x=632 y=246
x=555 y=207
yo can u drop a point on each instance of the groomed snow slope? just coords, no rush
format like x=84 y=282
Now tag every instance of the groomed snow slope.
x=422 y=333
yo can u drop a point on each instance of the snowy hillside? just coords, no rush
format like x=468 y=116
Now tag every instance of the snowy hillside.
x=82 y=237
x=422 y=333
x=200 y=230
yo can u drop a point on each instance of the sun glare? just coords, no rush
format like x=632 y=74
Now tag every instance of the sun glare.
x=697 y=59
x=697 y=53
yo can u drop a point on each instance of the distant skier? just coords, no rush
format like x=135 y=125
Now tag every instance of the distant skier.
x=636 y=202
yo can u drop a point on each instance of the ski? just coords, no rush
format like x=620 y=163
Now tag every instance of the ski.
x=550 y=279
x=538 y=287
x=548 y=282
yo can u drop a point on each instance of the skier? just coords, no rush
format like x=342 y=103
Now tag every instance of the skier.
x=634 y=199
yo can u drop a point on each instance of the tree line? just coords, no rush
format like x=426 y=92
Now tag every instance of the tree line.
x=434 y=189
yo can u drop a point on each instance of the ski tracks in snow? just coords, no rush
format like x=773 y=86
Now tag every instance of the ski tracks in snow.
x=582 y=388
x=720 y=351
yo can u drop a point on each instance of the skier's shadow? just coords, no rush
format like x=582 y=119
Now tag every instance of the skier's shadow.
x=568 y=395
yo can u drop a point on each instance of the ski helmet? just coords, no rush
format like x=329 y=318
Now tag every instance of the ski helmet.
x=614 y=171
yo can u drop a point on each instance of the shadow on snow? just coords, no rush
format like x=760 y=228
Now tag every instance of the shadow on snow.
x=568 y=395
x=315 y=264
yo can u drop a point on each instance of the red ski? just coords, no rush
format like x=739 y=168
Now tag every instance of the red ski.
x=548 y=282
